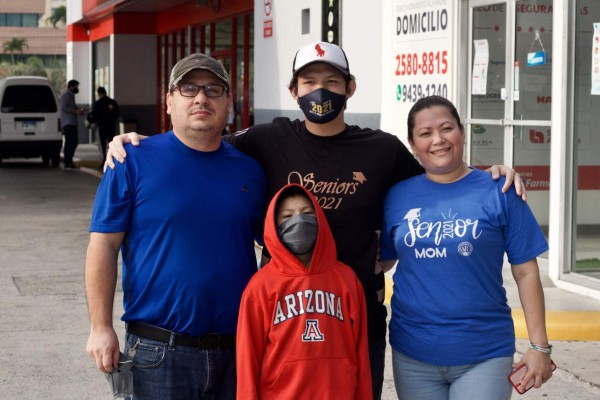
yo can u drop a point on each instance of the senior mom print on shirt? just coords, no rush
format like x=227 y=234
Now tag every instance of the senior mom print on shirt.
x=449 y=227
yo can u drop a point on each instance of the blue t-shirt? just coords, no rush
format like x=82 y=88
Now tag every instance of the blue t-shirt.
x=449 y=306
x=190 y=218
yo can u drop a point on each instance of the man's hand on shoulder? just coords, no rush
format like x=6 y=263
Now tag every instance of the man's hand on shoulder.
x=116 y=148
x=512 y=177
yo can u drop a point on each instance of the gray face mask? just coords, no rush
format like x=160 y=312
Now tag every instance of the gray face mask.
x=299 y=233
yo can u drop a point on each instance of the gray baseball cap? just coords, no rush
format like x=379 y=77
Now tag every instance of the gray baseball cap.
x=198 y=61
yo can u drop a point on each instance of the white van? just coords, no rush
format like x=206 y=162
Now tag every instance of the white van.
x=29 y=119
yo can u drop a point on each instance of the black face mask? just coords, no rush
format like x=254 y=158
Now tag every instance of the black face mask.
x=322 y=106
x=298 y=233
x=74 y=90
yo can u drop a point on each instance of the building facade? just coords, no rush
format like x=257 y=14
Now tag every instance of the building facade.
x=525 y=75
x=29 y=20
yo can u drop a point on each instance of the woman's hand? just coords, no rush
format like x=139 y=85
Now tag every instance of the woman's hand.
x=539 y=368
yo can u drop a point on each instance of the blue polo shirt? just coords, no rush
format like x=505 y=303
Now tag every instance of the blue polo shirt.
x=190 y=219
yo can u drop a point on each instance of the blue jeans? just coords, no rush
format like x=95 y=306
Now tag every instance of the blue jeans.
x=377 y=361
x=416 y=380
x=165 y=372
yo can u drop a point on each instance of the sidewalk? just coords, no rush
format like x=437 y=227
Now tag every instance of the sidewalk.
x=89 y=159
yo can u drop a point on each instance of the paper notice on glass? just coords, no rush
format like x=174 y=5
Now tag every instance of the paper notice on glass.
x=596 y=59
x=480 y=67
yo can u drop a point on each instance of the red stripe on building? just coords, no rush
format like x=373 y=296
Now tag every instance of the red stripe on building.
x=537 y=177
x=589 y=177
x=192 y=14
x=101 y=29
x=77 y=33
x=135 y=23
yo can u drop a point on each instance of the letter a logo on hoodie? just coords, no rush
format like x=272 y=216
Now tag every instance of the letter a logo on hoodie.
x=312 y=332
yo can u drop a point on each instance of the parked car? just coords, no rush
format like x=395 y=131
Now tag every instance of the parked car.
x=29 y=119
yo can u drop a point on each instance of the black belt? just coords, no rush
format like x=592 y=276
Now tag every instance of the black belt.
x=212 y=341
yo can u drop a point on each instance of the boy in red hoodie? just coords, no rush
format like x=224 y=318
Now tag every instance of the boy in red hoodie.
x=302 y=329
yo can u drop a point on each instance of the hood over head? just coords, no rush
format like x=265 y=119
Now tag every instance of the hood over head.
x=324 y=252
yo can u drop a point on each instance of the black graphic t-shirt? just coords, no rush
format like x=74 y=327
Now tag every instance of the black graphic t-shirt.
x=349 y=173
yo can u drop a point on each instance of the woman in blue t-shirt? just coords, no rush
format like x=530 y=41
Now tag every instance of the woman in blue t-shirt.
x=451 y=330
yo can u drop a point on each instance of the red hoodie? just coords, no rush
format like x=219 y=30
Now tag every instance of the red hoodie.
x=302 y=332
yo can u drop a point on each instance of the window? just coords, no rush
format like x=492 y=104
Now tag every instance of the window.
x=14 y=19
x=28 y=99
x=29 y=20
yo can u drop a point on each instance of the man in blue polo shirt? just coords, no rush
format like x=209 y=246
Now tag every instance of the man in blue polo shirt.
x=184 y=212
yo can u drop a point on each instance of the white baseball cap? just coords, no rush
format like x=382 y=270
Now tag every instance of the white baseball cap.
x=321 y=52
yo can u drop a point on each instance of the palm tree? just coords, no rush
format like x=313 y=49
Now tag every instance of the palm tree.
x=15 y=45
x=58 y=16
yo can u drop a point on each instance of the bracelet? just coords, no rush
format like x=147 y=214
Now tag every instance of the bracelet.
x=543 y=349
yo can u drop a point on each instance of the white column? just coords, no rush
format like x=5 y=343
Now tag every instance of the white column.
x=561 y=161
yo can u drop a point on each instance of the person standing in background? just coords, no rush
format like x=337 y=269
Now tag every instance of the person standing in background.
x=105 y=113
x=68 y=118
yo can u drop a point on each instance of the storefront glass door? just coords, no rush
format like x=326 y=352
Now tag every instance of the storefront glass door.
x=586 y=109
x=508 y=112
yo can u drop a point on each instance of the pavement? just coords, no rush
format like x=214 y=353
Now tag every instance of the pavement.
x=44 y=219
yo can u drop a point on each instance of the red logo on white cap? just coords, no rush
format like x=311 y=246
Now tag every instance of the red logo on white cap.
x=320 y=51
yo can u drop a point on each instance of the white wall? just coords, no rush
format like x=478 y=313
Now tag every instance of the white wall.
x=74 y=11
x=273 y=57
x=78 y=67
x=438 y=36
x=361 y=40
